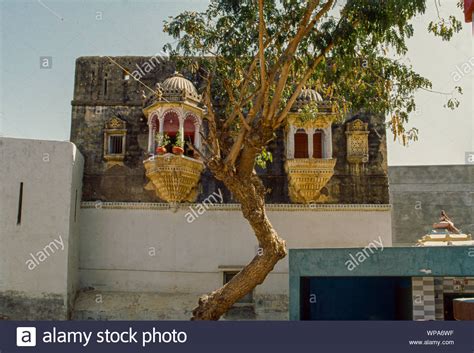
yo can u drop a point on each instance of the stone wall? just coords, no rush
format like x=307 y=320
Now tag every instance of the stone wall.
x=102 y=91
x=419 y=193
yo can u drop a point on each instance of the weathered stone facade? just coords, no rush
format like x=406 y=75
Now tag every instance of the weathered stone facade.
x=103 y=90
x=419 y=193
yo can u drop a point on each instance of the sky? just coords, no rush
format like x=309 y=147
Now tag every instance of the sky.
x=36 y=102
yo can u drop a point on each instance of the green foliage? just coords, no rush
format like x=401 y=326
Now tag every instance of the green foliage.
x=365 y=69
x=179 y=142
x=453 y=102
x=162 y=139
x=445 y=28
x=263 y=158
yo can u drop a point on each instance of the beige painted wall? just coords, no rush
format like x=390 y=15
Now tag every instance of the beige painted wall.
x=51 y=172
x=126 y=249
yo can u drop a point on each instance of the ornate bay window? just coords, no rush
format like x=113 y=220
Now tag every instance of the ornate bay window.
x=174 y=119
x=309 y=162
x=176 y=124
x=308 y=142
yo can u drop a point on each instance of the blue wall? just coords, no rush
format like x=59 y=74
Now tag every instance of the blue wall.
x=397 y=262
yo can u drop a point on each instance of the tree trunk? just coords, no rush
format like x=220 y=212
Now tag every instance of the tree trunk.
x=251 y=194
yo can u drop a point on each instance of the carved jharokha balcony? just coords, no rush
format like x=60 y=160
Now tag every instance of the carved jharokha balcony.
x=173 y=177
x=307 y=176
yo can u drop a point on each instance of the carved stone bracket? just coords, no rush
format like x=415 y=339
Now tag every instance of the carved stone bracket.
x=357 y=136
x=174 y=178
x=306 y=178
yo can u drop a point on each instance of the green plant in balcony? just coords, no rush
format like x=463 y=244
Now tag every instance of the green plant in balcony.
x=178 y=144
x=162 y=140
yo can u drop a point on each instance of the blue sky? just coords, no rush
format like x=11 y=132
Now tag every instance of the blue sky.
x=35 y=103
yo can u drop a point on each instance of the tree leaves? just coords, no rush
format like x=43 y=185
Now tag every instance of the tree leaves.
x=363 y=71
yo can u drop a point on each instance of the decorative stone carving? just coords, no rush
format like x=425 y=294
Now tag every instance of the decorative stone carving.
x=357 y=136
x=319 y=122
x=306 y=178
x=115 y=123
x=174 y=178
x=285 y=207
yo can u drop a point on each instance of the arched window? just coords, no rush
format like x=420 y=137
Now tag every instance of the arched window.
x=318 y=144
x=301 y=144
x=171 y=127
x=171 y=124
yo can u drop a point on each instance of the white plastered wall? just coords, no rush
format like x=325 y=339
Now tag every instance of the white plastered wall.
x=126 y=249
x=51 y=172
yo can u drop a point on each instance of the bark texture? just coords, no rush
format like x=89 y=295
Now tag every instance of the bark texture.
x=251 y=195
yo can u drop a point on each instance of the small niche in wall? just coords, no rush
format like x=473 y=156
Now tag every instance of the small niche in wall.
x=75 y=207
x=106 y=84
x=20 y=204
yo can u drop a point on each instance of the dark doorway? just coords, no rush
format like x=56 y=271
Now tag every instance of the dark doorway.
x=356 y=298
x=448 y=303
x=318 y=144
x=301 y=144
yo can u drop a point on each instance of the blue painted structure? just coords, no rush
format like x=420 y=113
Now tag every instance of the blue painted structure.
x=456 y=261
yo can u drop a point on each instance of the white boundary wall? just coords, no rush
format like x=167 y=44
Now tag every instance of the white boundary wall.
x=51 y=173
x=146 y=247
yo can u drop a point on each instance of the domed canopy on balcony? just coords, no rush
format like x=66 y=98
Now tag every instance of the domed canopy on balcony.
x=178 y=82
x=309 y=96
x=178 y=88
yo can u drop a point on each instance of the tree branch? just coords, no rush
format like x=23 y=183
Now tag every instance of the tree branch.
x=302 y=33
x=282 y=115
x=261 y=49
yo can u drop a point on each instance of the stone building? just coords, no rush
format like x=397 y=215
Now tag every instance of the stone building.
x=104 y=91
x=154 y=230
